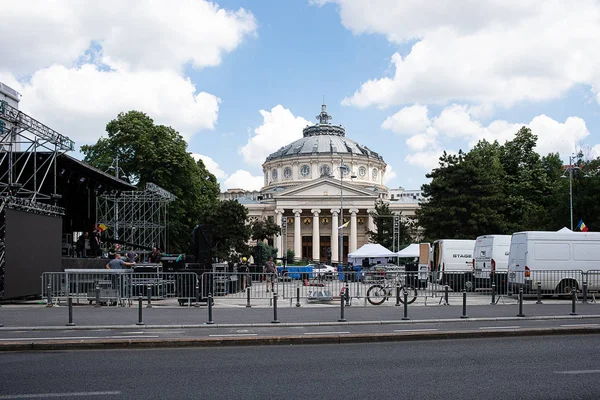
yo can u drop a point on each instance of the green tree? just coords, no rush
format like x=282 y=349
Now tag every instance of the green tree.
x=262 y=229
x=158 y=154
x=384 y=221
x=230 y=231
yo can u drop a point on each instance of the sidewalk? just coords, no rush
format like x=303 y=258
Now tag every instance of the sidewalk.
x=168 y=314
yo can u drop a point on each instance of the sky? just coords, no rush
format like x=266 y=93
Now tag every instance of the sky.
x=240 y=79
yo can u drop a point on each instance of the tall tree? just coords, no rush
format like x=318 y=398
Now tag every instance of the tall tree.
x=262 y=229
x=384 y=221
x=158 y=154
x=230 y=231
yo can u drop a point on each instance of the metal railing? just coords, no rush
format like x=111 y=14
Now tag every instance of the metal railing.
x=118 y=286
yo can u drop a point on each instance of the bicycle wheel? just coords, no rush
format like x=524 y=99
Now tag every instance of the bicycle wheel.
x=376 y=295
x=411 y=294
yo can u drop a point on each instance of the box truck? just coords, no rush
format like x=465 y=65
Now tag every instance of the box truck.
x=490 y=259
x=559 y=261
x=451 y=263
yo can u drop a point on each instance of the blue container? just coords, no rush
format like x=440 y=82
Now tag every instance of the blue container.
x=297 y=271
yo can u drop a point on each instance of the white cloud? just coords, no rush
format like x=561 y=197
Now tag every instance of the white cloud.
x=455 y=126
x=280 y=127
x=494 y=52
x=78 y=102
x=211 y=165
x=408 y=120
x=77 y=66
x=135 y=33
x=241 y=179
x=389 y=174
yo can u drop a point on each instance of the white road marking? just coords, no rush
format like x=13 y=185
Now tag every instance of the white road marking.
x=580 y=325
x=499 y=327
x=415 y=330
x=77 y=338
x=133 y=333
x=47 y=395
x=325 y=333
x=235 y=334
x=589 y=371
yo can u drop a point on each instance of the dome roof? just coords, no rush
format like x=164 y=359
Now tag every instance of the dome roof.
x=323 y=138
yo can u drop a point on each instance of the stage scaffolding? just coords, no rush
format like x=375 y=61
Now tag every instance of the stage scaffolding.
x=137 y=219
x=22 y=172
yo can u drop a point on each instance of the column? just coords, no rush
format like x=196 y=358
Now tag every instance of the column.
x=353 y=231
x=334 y=237
x=316 y=239
x=297 y=234
x=371 y=221
x=279 y=238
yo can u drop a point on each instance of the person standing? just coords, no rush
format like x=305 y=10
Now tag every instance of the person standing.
x=131 y=256
x=118 y=263
x=95 y=243
x=270 y=271
x=244 y=270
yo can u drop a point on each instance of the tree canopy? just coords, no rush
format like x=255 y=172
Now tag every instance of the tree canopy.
x=384 y=234
x=501 y=189
x=158 y=154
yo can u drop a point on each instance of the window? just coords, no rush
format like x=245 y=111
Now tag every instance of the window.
x=344 y=169
x=287 y=173
x=274 y=174
x=362 y=172
x=375 y=173
x=325 y=170
x=305 y=171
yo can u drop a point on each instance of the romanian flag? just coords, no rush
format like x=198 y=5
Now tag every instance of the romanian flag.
x=343 y=226
x=101 y=228
x=581 y=226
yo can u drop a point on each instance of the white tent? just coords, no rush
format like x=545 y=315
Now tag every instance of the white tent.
x=371 y=250
x=411 y=251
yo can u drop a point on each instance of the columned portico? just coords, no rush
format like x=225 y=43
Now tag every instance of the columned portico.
x=353 y=232
x=334 y=236
x=316 y=236
x=297 y=234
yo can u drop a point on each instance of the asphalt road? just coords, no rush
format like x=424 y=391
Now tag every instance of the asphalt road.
x=529 y=368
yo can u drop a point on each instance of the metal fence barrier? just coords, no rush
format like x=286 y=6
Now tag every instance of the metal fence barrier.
x=112 y=287
x=122 y=287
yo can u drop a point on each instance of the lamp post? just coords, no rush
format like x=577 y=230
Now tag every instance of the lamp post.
x=343 y=169
x=571 y=157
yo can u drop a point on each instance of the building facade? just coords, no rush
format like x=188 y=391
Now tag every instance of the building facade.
x=321 y=190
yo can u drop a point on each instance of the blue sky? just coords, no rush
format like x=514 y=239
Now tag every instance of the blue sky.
x=240 y=79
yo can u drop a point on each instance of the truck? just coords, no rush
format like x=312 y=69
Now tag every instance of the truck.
x=451 y=263
x=490 y=259
x=559 y=261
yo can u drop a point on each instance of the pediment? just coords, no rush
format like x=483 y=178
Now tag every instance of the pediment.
x=326 y=187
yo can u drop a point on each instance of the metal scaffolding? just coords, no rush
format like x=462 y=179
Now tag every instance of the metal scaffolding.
x=22 y=172
x=137 y=219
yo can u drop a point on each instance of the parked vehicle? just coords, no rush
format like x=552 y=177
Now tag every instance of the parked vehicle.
x=451 y=263
x=490 y=258
x=558 y=260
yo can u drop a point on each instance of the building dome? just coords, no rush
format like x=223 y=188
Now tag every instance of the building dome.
x=324 y=150
x=324 y=138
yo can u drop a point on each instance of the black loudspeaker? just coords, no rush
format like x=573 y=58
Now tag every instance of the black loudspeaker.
x=172 y=263
x=202 y=242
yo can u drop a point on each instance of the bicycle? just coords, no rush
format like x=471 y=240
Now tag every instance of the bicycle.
x=377 y=294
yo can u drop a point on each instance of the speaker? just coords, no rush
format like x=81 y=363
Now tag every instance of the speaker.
x=201 y=244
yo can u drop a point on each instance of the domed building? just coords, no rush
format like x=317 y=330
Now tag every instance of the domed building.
x=319 y=183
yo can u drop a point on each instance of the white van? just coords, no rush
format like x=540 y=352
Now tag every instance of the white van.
x=560 y=261
x=491 y=256
x=451 y=263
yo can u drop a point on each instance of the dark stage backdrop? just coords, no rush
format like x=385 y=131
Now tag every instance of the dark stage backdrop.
x=33 y=246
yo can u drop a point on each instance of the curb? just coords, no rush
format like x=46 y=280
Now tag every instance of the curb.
x=289 y=340
x=295 y=324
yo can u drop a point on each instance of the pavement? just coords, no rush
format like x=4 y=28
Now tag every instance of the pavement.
x=167 y=315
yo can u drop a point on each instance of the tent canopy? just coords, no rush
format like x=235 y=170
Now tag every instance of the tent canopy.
x=411 y=251
x=371 y=250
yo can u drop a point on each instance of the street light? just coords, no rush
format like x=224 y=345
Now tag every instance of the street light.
x=572 y=158
x=343 y=169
